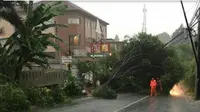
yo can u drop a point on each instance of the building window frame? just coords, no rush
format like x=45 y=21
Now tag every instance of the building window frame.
x=72 y=40
x=73 y=20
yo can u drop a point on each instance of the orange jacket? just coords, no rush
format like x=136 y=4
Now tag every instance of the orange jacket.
x=153 y=83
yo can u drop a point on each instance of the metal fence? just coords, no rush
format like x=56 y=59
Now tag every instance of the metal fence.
x=39 y=78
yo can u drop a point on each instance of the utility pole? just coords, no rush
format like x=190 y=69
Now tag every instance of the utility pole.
x=196 y=54
x=197 y=79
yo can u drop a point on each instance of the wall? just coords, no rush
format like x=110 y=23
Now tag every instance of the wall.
x=8 y=28
x=41 y=78
x=72 y=29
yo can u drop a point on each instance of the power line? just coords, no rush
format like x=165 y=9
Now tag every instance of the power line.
x=195 y=12
x=177 y=35
x=192 y=23
x=195 y=5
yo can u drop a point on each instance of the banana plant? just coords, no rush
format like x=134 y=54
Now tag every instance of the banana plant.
x=27 y=44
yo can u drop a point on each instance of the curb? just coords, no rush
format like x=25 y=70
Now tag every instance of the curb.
x=131 y=105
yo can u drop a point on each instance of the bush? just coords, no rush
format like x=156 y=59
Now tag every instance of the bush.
x=73 y=87
x=106 y=93
x=58 y=94
x=45 y=98
x=40 y=96
x=13 y=99
x=32 y=95
x=67 y=100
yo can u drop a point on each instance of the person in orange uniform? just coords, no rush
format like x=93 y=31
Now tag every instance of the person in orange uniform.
x=153 y=85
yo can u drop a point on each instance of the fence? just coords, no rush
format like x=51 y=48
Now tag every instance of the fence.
x=41 y=78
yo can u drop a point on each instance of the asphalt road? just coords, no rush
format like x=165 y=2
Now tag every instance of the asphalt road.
x=99 y=105
x=133 y=103
x=165 y=104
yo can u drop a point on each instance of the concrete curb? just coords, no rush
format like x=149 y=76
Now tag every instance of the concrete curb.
x=131 y=105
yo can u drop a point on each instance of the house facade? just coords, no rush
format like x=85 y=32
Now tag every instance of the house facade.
x=81 y=30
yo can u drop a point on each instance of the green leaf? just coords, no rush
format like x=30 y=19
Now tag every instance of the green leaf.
x=42 y=54
x=28 y=65
x=42 y=63
x=46 y=26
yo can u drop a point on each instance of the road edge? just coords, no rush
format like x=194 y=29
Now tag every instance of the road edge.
x=123 y=109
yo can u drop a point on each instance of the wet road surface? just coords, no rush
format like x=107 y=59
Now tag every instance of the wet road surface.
x=148 y=104
x=99 y=105
x=165 y=104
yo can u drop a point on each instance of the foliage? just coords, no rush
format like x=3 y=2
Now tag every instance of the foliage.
x=189 y=78
x=32 y=94
x=84 y=67
x=106 y=93
x=67 y=100
x=105 y=67
x=27 y=44
x=125 y=84
x=174 y=72
x=144 y=57
x=13 y=99
x=58 y=94
x=46 y=96
x=73 y=87
x=186 y=55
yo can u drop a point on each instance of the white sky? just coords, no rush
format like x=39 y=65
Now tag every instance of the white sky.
x=127 y=17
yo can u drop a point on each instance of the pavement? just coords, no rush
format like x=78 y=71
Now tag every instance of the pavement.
x=99 y=105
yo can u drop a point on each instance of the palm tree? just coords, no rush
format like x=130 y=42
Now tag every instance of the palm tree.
x=27 y=44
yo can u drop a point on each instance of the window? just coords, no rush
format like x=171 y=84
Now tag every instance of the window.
x=73 y=21
x=74 y=40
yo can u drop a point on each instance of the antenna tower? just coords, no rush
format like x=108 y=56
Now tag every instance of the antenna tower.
x=144 y=20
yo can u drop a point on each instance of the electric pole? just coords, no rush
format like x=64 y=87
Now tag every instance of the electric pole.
x=197 y=79
x=196 y=54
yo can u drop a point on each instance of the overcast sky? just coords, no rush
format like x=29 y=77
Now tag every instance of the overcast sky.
x=127 y=17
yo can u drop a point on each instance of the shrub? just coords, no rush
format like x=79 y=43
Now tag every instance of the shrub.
x=58 y=94
x=45 y=97
x=13 y=99
x=32 y=95
x=67 y=100
x=73 y=87
x=106 y=93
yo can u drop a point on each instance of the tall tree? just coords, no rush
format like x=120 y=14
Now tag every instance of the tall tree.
x=145 y=57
